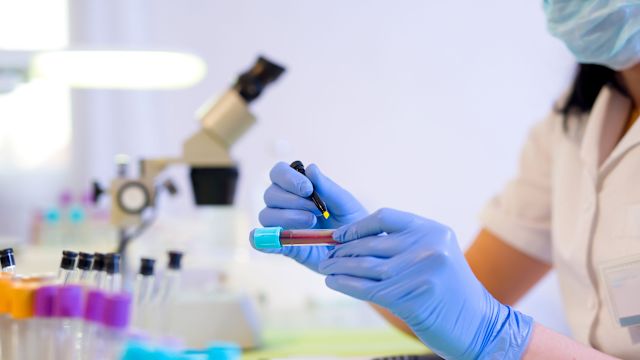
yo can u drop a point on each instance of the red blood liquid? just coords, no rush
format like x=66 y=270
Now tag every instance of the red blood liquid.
x=307 y=237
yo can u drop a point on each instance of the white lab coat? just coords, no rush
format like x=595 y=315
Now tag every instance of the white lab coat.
x=575 y=203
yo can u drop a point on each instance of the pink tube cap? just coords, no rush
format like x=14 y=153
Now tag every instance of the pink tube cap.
x=117 y=311
x=68 y=301
x=44 y=299
x=94 y=306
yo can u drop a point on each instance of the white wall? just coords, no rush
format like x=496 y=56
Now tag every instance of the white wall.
x=417 y=105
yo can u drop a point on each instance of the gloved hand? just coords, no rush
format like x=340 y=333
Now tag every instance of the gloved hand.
x=415 y=268
x=288 y=207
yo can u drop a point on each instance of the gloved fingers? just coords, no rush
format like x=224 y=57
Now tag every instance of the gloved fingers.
x=363 y=267
x=356 y=287
x=287 y=218
x=303 y=254
x=382 y=221
x=339 y=200
x=290 y=180
x=381 y=246
x=277 y=197
x=392 y=293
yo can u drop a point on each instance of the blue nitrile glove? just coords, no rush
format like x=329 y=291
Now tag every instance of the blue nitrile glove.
x=415 y=268
x=288 y=207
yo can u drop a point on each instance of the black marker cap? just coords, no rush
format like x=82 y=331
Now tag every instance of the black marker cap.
x=146 y=266
x=175 y=260
x=298 y=166
x=68 y=261
x=112 y=263
x=84 y=261
x=98 y=262
x=6 y=258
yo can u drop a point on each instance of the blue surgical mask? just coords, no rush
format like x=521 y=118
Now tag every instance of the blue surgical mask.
x=605 y=32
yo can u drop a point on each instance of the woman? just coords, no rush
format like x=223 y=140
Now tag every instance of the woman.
x=574 y=206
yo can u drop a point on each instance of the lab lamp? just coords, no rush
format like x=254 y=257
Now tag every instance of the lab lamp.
x=102 y=69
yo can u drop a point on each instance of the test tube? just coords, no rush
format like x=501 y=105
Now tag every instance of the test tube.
x=98 y=268
x=85 y=261
x=277 y=237
x=144 y=281
x=171 y=277
x=67 y=267
x=113 y=281
x=23 y=330
x=44 y=322
x=170 y=283
x=68 y=309
x=7 y=261
x=92 y=327
x=144 y=292
x=117 y=314
x=5 y=316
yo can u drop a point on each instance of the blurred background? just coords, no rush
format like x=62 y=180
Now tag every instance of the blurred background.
x=420 y=106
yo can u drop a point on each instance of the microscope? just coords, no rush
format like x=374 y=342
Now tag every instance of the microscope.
x=213 y=173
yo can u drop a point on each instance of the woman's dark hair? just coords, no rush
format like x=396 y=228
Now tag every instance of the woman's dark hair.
x=587 y=84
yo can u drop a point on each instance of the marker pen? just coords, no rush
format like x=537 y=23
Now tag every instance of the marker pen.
x=315 y=198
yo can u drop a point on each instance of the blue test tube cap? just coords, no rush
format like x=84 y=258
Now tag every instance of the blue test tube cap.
x=76 y=214
x=135 y=350
x=52 y=216
x=224 y=351
x=267 y=238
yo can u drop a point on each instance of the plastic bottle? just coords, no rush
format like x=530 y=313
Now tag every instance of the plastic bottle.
x=65 y=199
x=67 y=270
x=68 y=310
x=113 y=281
x=77 y=223
x=52 y=228
x=44 y=322
x=85 y=261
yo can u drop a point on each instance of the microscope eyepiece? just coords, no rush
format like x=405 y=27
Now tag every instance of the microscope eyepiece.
x=251 y=83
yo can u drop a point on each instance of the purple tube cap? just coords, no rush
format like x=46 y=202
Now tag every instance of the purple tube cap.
x=44 y=299
x=68 y=301
x=117 y=311
x=94 y=306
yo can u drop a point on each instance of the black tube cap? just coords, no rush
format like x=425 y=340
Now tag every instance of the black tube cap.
x=84 y=261
x=146 y=266
x=68 y=261
x=175 y=260
x=112 y=263
x=98 y=262
x=6 y=258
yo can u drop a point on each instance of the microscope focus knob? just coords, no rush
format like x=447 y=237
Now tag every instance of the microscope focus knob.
x=133 y=197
